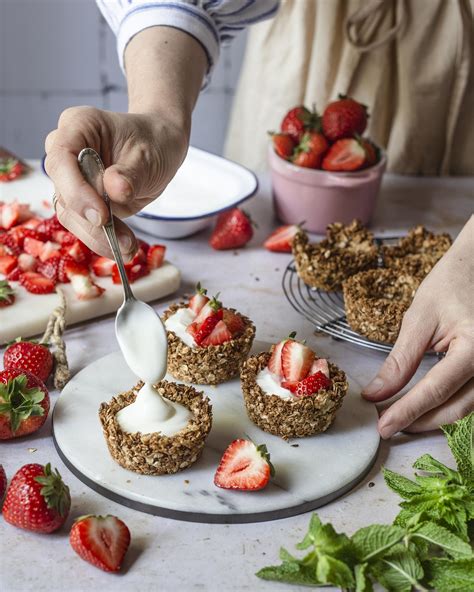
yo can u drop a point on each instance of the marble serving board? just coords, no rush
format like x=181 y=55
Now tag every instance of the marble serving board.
x=29 y=314
x=309 y=471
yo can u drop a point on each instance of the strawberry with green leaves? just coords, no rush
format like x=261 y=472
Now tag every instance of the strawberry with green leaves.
x=37 y=499
x=103 y=541
x=233 y=230
x=7 y=294
x=199 y=299
x=29 y=355
x=244 y=466
x=24 y=403
x=297 y=121
x=10 y=169
x=310 y=150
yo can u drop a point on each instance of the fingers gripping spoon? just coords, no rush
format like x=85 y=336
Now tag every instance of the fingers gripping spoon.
x=139 y=330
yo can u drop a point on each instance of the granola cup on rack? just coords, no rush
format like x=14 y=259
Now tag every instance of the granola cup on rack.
x=156 y=454
x=216 y=358
x=376 y=300
x=292 y=417
x=417 y=253
x=345 y=251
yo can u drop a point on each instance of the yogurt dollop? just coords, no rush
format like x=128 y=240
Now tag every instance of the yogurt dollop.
x=178 y=322
x=144 y=344
x=270 y=384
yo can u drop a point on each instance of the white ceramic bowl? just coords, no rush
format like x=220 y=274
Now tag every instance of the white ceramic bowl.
x=204 y=186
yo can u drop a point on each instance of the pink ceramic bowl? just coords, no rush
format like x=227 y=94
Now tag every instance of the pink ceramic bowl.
x=319 y=198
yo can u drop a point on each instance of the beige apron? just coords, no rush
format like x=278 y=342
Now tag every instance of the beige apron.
x=410 y=61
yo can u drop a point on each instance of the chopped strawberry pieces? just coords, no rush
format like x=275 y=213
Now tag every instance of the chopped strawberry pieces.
x=50 y=249
x=9 y=215
x=33 y=246
x=84 y=287
x=36 y=283
x=14 y=275
x=49 y=226
x=27 y=262
x=320 y=365
x=50 y=268
x=79 y=252
x=103 y=266
x=7 y=263
x=134 y=271
x=155 y=256
x=71 y=267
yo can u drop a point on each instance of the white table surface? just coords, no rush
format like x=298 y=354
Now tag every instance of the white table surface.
x=168 y=555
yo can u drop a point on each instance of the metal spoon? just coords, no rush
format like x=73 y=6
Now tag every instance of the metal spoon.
x=140 y=333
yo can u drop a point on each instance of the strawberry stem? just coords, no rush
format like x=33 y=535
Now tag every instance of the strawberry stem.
x=19 y=401
x=55 y=491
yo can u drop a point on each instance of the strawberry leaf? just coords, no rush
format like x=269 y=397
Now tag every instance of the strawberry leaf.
x=55 y=491
x=19 y=401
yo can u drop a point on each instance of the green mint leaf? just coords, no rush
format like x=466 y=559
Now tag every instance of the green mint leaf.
x=400 y=484
x=460 y=441
x=444 y=575
x=362 y=580
x=428 y=464
x=291 y=573
x=325 y=539
x=400 y=572
x=371 y=541
x=286 y=556
x=314 y=528
x=333 y=571
x=442 y=537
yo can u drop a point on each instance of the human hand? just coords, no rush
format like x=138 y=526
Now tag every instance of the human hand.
x=441 y=317
x=141 y=154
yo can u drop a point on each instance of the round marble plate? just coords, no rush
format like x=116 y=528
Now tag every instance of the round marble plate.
x=310 y=472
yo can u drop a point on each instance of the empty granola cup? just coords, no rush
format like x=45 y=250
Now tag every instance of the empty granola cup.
x=319 y=198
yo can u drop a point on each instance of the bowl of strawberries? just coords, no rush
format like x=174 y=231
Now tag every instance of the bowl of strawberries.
x=322 y=168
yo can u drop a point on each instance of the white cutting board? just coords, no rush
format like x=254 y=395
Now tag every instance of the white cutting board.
x=29 y=314
x=309 y=471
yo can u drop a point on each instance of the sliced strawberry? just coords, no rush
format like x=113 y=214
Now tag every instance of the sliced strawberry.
x=296 y=360
x=344 y=155
x=219 y=335
x=14 y=275
x=320 y=365
x=312 y=384
x=84 y=287
x=274 y=364
x=244 y=466
x=10 y=244
x=7 y=263
x=133 y=271
x=10 y=215
x=100 y=540
x=281 y=239
x=199 y=299
x=155 y=256
x=207 y=326
x=63 y=237
x=79 y=251
x=208 y=309
x=49 y=226
x=36 y=283
x=192 y=329
x=233 y=321
x=69 y=267
x=103 y=266
x=290 y=385
x=27 y=262
x=33 y=246
x=50 y=249
x=50 y=268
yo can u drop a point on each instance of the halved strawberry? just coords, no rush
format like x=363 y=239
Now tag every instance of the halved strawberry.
x=296 y=360
x=84 y=287
x=207 y=326
x=100 y=540
x=7 y=263
x=103 y=266
x=244 y=466
x=198 y=300
x=274 y=364
x=208 y=309
x=220 y=334
x=344 y=155
x=319 y=365
x=312 y=384
x=281 y=239
x=27 y=262
x=233 y=321
x=36 y=283
x=155 y=256
x=33 y=246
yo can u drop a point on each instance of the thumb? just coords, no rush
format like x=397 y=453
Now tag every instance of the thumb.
x=401 y=364
x=121 y=182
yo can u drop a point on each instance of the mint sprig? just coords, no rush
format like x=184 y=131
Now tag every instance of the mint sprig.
x=426 y=548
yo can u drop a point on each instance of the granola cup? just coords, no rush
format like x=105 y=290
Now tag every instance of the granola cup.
x=212 y=364
x=345 y=251
x=417 y=253
x=290 y=418
x=376 y=300
x=156 y=454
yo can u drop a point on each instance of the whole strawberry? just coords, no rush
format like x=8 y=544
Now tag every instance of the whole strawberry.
x=100 y=540
x=297 y=121
x=3 y=483
x=233 y=230
x=24 y=404
x=283 y=144
x=29 y=355
x=37 y=499
x=344 y=118
x=310 y=150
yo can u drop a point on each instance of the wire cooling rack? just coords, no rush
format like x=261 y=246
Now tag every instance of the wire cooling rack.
x=325 y=310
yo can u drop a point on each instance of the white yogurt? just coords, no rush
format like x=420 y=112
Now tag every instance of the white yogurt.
x=178 y=323
x=270 y=384
x=144 y=344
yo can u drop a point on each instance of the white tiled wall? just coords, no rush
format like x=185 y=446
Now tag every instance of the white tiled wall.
x=58 y=53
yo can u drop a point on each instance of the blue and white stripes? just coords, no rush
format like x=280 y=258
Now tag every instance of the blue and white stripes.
x=211 y=22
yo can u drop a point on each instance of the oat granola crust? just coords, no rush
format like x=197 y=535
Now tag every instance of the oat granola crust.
x=290 y=418
x=346 y=250
x=156 y=454
x=208 y=365
x=376 y=300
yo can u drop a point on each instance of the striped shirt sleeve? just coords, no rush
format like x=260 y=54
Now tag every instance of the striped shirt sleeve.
x=211 y=22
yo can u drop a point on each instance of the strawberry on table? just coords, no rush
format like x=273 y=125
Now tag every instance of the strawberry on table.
x=233 y=230
x=244 y=466
x=24 y=403
x=283 y=144
x=29 y=355
x=78 y=251
x=296 y=360
x=101 y=540
x=49 y=268
x=280 y=240
x=199 y=299
x=49 y=226
x=344 y=155
x=344 y=118
x=36 y=283
x=297 y=121
x=155 y=256
x=37 y=499
x=50 y=249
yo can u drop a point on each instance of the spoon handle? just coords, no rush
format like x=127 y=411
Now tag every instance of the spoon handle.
x=92 y=169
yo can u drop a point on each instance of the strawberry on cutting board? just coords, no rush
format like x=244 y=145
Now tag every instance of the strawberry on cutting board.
x=233 y=230
x=37 y=499
x=100 y=540
x=31 y=356
x=244 y=466
x=24 y=403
